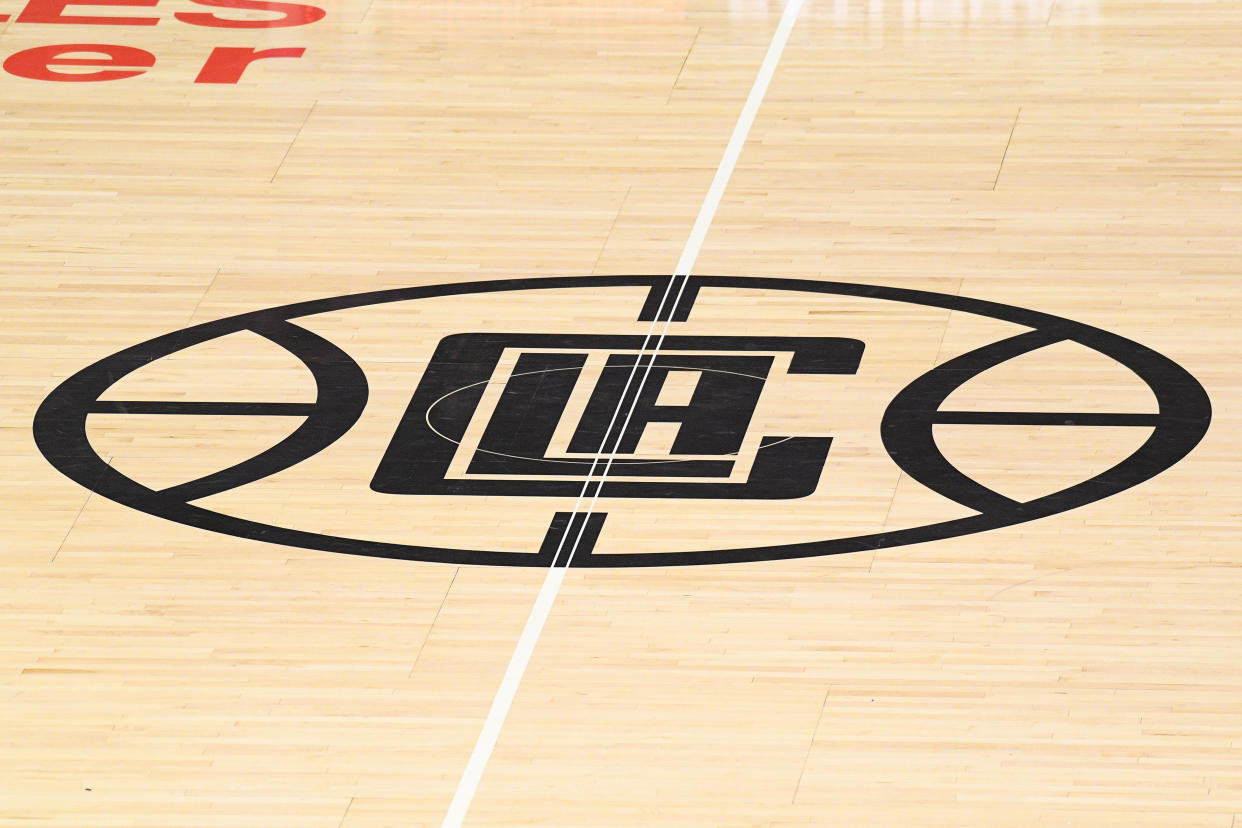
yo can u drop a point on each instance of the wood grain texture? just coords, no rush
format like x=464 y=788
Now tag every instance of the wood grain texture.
x=1078 y=157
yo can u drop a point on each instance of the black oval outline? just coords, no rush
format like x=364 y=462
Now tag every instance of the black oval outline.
x=1184 y=415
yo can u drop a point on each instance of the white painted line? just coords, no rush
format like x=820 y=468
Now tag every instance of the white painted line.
x=698 y=233
x=744 y=121
x=539 y=613
x=504 y=698
x=599 y=453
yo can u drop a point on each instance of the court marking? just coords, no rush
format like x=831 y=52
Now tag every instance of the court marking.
x=431 y=426
x=60 y=427
x=468 y=785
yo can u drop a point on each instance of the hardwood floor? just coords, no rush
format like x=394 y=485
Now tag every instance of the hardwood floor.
x=208 y=661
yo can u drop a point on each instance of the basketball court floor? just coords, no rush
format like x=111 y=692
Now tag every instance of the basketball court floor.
x=687 y=413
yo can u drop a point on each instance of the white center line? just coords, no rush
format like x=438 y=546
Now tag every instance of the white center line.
x=539 y=613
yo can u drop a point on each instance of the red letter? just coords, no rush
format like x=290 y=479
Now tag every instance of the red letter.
x=49 y=11
x=295 y=14
x=225 y=64
x=37 y=63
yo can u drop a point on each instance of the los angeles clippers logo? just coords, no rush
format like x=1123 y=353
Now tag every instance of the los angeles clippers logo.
x=704 y=418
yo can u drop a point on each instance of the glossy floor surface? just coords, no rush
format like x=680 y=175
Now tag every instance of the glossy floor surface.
x=1074 y=664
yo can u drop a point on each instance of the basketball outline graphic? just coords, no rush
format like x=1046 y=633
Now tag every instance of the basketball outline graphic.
x=1180 y=422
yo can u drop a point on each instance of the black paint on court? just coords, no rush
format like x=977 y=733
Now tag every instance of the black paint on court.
x=713 y=424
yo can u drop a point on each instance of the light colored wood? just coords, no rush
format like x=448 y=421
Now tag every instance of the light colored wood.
x=1079 y=157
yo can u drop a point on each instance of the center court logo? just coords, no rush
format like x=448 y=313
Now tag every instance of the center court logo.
x=729 y=419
